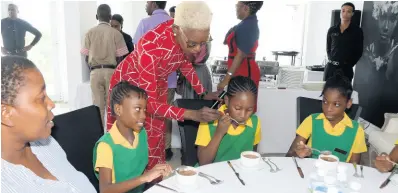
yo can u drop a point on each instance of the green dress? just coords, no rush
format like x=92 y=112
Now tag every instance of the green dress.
x=323 y=141
x=127 y=163
x=232 y=146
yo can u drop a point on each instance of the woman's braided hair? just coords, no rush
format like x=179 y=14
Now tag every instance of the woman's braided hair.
x=340 y=82
x=123 y=90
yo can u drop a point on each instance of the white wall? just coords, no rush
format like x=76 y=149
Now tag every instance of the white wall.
x=318 y=19
x=79 y=18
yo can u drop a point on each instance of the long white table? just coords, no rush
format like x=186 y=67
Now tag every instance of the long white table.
x=277 y=112
x=285 y=181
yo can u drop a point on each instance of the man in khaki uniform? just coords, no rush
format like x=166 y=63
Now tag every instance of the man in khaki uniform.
x=103 y=47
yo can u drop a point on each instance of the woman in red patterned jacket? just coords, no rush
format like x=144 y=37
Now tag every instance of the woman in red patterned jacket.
x=158 y=53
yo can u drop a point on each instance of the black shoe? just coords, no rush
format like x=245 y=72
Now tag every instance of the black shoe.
x=169 y=154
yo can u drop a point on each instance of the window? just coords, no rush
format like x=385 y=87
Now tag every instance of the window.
x=44 y=53
x=281 y=28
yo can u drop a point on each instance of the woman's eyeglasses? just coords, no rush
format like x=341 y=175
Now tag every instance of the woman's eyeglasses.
x=192 y=44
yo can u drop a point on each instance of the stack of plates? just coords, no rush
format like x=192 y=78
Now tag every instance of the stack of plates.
x=290 y=77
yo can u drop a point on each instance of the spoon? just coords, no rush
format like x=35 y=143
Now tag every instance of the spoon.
x=325 y=152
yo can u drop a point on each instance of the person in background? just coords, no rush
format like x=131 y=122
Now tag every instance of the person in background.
x=13 y=31
x=31 y=159
x=158 y=15
x=344 y=44
x=117 y=23
x=121 y=155
x=331 y=130
x=104 y=47
x=383 y=163
x=238 y=130
x=172 y=11
x=242 y=41
x=154 y=59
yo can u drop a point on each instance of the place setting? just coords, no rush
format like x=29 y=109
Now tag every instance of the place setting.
x=187 y=179
x=251 y=161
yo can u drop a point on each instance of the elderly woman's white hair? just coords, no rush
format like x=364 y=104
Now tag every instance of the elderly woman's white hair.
x=193 y=15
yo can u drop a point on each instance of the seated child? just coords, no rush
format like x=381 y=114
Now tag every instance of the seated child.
x=236 y=131
x=121 y=155
x=332 y=129
x=382 y=162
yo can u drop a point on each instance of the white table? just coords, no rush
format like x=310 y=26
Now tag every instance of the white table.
x=313 y=75
x=285 y=181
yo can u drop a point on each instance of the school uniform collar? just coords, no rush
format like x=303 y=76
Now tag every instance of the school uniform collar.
x=118 y=138
x=345 y=121
x=248 y=121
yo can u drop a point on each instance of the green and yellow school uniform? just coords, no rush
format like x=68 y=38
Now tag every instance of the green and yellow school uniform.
x=237 y=140
x=126 y=161
x=344 y=139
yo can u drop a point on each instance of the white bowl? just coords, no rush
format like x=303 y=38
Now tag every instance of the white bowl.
x=328 y=165
x=185 y=179
x=250 y=162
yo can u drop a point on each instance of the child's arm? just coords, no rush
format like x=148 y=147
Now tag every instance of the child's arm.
x=297 y=148
x=382 y=164
x=255 y=148
x=106 y=185
x=206 y=154
x=355 y=158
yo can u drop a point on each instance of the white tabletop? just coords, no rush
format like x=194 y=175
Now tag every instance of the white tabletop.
x=285 y=181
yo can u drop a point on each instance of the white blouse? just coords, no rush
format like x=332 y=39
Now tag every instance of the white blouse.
x=18 y=178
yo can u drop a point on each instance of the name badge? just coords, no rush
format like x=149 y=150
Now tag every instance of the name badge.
x=340 y=151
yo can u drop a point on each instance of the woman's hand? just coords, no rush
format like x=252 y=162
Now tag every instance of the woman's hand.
x=205 y=114
x=157 y=171
x=382 y=163
x=302 y=150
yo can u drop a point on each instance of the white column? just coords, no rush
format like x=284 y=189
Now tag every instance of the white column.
x=79 y=18
x=133 y=12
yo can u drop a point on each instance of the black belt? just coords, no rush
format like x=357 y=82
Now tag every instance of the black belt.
x=102 y=66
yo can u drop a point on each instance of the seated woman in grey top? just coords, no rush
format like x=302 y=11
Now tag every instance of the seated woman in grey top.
x=31 y=160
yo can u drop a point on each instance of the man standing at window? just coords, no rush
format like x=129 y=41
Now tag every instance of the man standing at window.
x=158 y=15
x=13 y=31
x=344 y=44
x=104 y=48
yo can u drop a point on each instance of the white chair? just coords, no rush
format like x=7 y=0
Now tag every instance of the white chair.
x=384 y=139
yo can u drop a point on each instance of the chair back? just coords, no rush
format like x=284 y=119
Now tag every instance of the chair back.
x=308 y=106
x=77 y=132
x=189 y=129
